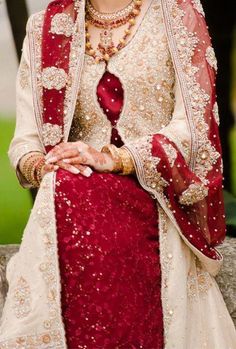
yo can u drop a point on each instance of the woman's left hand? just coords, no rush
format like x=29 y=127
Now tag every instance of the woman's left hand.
x=77 y=154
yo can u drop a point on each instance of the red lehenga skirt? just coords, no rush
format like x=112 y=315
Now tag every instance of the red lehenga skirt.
x=108 y=246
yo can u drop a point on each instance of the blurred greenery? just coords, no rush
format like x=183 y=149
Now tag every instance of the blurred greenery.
x=15 y=202
x=230 y=209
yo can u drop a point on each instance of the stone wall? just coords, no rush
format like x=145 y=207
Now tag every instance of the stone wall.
x=226 y=278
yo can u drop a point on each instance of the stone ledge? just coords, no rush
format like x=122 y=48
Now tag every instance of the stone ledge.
x=226 y=278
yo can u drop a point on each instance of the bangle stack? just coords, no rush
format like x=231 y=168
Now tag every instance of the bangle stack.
x=127 y=162
x=123 y=163
x=32 y=169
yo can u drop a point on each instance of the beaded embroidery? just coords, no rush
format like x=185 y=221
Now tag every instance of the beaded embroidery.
x=24 y=74
x=52 y=134
x=147 y=109
x=184 y=43
x=22 y=299
x=216 y=113
x=153 y=178
x=43 y=341
x=167 y=261
x=54 y=78
x=198 y=283
x=171 y=153
x=194 y=193
x=198 y=6
x=211 y=58
x=62 y=24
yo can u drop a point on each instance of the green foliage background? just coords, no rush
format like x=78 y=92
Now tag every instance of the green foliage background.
x=15 y=202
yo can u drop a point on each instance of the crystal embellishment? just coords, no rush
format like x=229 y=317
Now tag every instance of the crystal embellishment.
x=22 y=299
x=62 y=24
x=211 y=58
x=54 y=78
x=198 y=6
x=52 y=134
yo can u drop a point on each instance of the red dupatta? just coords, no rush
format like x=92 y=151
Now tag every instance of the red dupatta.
x=189 y=189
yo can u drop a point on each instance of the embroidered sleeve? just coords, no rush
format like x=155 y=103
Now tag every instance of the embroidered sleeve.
x=26 y=137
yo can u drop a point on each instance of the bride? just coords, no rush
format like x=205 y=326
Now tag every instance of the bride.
x=117 y=124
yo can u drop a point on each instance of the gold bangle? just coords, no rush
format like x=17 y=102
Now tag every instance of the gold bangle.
x=127 y=162
x=38 y=170
x=29 y=169
x=114 y=152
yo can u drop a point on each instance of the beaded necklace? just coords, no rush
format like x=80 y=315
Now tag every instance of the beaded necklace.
x=107 y=22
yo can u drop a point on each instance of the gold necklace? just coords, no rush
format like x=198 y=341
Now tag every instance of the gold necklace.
x=108 y=17
x=106 y=47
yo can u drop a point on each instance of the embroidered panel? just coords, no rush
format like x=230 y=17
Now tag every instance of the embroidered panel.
x=183 y=44
x=42 y=341
x=198 y=6
x=35 y=44
x=54 y=78
x=171 y=153
x=62 y=24
x=24 y=75
x=22 y=298
x=52 y=134
x=77 y=50
x=216 y=113
x=211 y=58
x=194 y=193
x=148 y=108
x=89 y=120
x=148 y=163
x=166 y=264
x=198 y=283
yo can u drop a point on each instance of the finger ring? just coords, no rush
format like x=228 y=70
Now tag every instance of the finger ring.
x=80 y=152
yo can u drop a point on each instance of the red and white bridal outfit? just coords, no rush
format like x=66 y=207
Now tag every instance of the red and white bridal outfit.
x=121 y=261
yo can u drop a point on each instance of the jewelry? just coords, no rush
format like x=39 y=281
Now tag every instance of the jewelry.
x=106 y=46
x=112 y=150
x=108 y=17
x=122 y=159
x=80 y=152
x=32 y=167
x=127 y=162
x=38 y=168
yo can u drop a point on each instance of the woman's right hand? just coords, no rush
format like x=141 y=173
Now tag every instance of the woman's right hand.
x=83 y=169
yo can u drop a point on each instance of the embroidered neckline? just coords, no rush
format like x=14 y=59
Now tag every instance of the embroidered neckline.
x=133 y=37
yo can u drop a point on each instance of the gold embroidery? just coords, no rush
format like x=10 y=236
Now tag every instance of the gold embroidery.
x=206 y=157
x=171 y=153
x=146 y=109
x=184 y=43
x=153 y=179
x=166 y=263
x=22 y=299
x=52 y=134
x=54 y=78
x=89 y=120
x=194 y=193
x=198 y=283
x=41 y=341
x=24 y=74
x=34 y=31
x=62 y=24
x=211 y=58
x=76 y=65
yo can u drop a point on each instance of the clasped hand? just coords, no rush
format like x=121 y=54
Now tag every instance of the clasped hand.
x=77 y=157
